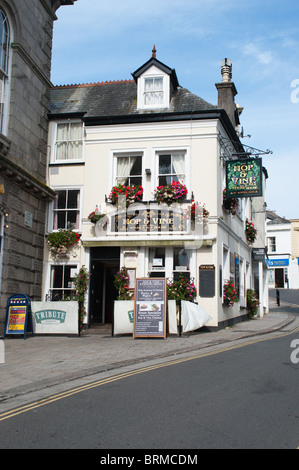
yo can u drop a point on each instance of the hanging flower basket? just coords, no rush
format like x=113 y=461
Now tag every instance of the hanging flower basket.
x=95 y=216
x=182 y=289
x=60 y=241
x=230 y=204
x=171 y=193
x=250 y=231
x=132 y=193
x=197 y=212
x=229 y=294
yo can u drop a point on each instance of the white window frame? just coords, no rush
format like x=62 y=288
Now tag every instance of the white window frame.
x=166 y=151
x=168 y=268
x=115 y=154
x=272 y=243
x=49 y=274
x=153 y=73
x=52 y=206
x=54 y=142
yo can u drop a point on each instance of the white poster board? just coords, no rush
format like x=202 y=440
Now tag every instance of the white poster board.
x=55 y=317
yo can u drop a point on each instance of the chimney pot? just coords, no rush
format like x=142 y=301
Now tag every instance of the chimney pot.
x=226 y=70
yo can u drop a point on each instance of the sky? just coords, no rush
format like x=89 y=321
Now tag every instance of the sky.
x=97 y=41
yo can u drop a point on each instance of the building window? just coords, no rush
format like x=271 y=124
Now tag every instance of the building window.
x=181 y=263
x=153 y=91
x=157 y=262
x=67 y=209
x=61 y=284
x=69 y=141
x=171 y=168
x=271 y=244
x=129 y=169
x=4 y=67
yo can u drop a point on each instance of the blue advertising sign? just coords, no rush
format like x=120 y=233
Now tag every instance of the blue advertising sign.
x=18 y=316
x=277 y=262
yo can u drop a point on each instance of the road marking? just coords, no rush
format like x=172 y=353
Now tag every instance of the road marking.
x=74 y=391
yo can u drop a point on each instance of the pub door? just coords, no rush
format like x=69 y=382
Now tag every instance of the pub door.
x=102 y=292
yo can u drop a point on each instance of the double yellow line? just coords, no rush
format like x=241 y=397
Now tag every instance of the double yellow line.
x=74 y=391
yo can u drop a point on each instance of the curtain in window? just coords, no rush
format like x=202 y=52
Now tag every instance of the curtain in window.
x=153 y=88
x=124 y=167
x=75 y=145
x=178 y=162
x=62 y=136
x=69 y=141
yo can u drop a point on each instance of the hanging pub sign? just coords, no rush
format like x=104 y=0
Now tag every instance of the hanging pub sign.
x=18 y=316
x=150 y=308
x=244 y=178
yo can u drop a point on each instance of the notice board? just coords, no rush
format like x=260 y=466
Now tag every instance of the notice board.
x=150 y=308
x=18 y=316
x=207 y=280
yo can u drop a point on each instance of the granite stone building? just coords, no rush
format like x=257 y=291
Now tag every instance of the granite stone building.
x=26 y=28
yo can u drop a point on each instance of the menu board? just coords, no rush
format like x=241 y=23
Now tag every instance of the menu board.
x=207 y=281
x=150 y=308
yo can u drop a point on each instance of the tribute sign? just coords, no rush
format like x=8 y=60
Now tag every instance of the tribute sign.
x=244 y=178
x=150 y=308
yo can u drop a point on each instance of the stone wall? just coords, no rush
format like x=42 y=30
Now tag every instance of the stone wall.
x=23 y=149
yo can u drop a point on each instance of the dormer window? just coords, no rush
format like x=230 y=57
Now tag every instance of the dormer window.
x=155 y=84
x=153 y=91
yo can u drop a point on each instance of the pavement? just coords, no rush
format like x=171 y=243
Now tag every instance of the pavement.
x=39 y=366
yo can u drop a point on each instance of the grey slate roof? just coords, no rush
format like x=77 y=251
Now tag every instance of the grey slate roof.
x=117 y=98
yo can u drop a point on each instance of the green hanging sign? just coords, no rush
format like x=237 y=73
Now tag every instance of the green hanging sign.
x=244 y=178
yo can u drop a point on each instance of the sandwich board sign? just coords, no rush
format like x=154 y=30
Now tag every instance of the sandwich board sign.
x=18 y=316
x=150 y=308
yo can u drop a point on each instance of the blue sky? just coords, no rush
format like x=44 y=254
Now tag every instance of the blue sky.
x=95 y=41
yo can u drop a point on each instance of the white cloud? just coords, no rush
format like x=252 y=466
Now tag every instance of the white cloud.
x=263 y=57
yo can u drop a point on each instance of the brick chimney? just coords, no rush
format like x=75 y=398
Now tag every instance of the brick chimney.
x=227 y=92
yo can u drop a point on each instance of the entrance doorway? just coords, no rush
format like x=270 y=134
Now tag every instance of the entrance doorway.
x=279 y=277
x=102 y=290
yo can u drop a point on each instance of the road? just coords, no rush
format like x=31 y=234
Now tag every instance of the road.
x=243 y=397
x=286 y=295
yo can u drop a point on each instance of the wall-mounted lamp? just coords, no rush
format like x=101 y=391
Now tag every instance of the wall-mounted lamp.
x=148 y=171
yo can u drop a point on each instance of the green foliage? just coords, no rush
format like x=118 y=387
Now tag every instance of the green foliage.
x=252 y=302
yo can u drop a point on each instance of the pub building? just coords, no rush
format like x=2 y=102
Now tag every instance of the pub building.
x=150 y=132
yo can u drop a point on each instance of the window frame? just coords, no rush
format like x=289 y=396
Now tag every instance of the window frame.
x=51 y=269
x=181 y=150
x=271 y=242
x=5 y=74
x=55 y=141
x=52 y=210
x=153 y=73
x=115 y=154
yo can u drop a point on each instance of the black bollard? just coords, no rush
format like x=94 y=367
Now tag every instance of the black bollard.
x=277 y=297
